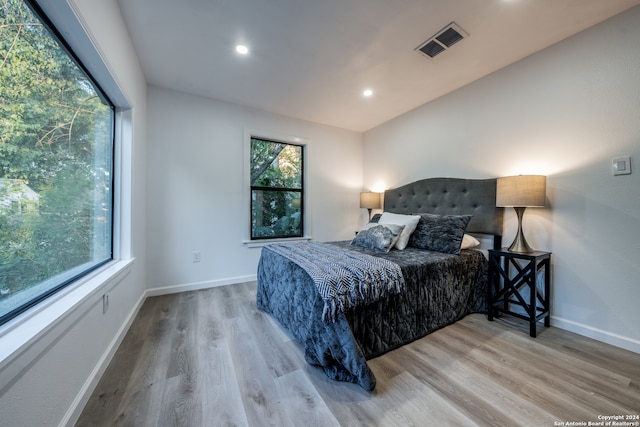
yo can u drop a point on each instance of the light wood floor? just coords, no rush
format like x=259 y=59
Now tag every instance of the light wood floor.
x=210 y=358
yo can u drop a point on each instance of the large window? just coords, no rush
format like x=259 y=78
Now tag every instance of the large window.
x=277 y=196
x=56 y=163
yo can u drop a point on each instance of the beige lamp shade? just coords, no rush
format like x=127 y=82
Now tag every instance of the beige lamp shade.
x=370 y=200
x=521 y=191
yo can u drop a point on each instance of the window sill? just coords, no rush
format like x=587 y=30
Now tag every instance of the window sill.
x=20 y=335
x=265 y=242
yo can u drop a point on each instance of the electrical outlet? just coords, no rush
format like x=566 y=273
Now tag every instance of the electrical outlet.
x=196 y=256
x=105 y=303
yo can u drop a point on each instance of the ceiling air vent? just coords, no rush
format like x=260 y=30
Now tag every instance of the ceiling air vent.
x=442 y=40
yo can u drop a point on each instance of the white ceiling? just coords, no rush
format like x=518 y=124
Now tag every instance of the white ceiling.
x=311 y=59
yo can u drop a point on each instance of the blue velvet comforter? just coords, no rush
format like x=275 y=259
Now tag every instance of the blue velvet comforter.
x=439 y=290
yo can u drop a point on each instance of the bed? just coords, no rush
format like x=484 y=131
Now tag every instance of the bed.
x=437 y=288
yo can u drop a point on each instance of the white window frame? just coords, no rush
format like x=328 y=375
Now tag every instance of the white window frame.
x=26 y=336
x=246 y=197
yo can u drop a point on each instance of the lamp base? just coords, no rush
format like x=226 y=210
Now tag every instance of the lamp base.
x=520 y=244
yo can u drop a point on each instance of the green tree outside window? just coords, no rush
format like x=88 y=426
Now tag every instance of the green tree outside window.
x=56 y=163
x=276 y=189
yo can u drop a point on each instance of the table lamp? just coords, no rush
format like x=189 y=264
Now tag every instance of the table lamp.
x=521 y=192
x=370 y=200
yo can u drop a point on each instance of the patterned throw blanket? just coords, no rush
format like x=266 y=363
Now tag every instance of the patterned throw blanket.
x=345 y=279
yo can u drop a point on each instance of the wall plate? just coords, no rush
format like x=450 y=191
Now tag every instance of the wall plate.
x=621 y=165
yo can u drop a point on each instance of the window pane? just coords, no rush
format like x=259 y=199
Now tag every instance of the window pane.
x=56 y=162
x=276 y=189
x=275 y=164
x=276 y=214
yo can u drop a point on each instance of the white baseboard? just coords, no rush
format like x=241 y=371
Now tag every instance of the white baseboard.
x=165 y=290
x=74 y=411
x=596 y=334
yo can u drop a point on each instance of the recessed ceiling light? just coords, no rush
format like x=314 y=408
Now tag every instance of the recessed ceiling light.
x=367 y=93
x=242 y=49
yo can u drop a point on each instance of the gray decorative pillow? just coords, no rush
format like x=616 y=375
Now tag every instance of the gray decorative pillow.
x=379 y=237
x=440 y=233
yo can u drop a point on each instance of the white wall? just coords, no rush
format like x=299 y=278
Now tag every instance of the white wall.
x=564 y=112
x=45 y=382
x=196 y=196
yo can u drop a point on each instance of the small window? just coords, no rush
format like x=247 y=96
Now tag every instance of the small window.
x=277 y=189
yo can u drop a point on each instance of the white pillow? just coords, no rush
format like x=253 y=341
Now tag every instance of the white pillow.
x=410 y=223
x=469 y=242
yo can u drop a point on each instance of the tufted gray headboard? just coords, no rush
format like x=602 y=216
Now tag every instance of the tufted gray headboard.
x=451 y=196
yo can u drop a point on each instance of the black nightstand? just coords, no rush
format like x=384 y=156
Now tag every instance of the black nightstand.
x=512 y=282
